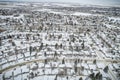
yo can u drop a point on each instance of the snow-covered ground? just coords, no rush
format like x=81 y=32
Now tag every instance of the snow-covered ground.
x=81 y=14
x=47 y=43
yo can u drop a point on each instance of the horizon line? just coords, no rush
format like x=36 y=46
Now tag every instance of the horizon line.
x=109 y=5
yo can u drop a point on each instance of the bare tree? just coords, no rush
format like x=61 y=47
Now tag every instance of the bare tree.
x=106 y=69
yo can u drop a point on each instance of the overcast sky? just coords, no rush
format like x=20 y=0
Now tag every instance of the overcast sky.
x=95 y=2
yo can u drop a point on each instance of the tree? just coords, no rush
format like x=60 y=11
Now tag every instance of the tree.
x=94 y=61
x=56 y=46
x=45 y=61
x=73 y=40
x=55 y=77
x=82 y=67
x=77 y=48
x=31 y=75
x=80 y=78
x=61 y=45
x=98 y=76
x=55 y=54
x=75 y=68
x=45 y=54
x=30 y=29
x=59 y=36
x=33 y=37
x=0 y=42
x=27 y=37
x=83 y=45
x=75 y=62
x=67 y=77
x=46 y=45
x=92 y=76
x=41 y=46
x=30 y=49
x=13 y=44
x=12 y=75
x=3 y=77
x=63 y=61
x=106 y=69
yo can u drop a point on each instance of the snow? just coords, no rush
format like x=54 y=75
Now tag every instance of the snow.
x=103 y=73
x=44 y=78
x=17 y=71
x=81 y=14
x=114 y=18
x=24 y=68
x=11 y=16
x=47 y=71
x=63 y=5
x=116 y=66
x=100 y=65
x=85 y=72
x=17 y=78
x=68 y=65
x=85 y=65
x=41 y=64
x=8 y=73
x=92 y=66
x=4 y=17
x=49 y=11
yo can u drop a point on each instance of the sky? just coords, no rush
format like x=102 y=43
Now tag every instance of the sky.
x=93 y=2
